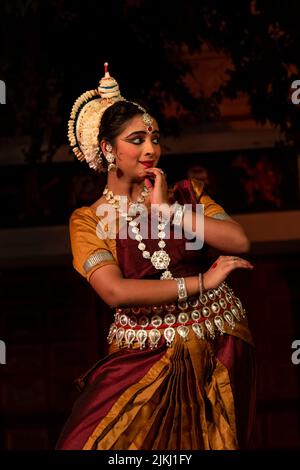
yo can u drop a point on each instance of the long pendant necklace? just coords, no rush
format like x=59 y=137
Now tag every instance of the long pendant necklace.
x=160 y=258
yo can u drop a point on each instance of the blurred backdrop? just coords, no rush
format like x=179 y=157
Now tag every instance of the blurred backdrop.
x=218 y=76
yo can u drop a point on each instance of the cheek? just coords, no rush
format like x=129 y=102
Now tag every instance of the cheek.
x=158 y=152
x=129 y=155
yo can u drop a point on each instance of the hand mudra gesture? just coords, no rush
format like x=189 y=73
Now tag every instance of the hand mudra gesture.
x=221 y=268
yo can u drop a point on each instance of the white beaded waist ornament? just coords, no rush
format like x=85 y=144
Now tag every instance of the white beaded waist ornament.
x=213 y=312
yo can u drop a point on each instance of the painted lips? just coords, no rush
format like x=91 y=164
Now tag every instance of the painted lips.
x=147 y=164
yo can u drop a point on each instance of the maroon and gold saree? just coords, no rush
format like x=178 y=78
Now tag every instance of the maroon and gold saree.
x=194 y=392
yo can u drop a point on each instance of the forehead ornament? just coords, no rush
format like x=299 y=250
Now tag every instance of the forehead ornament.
x=146 y=118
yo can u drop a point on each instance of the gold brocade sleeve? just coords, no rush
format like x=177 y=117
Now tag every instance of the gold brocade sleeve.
x=90 y=250
x=211 y=208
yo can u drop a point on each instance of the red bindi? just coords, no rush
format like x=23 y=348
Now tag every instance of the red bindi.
x=214 y=265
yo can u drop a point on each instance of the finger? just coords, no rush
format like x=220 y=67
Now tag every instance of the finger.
x=156 y=179
x=240 y=263
x=231 y=258
x=155 y=171
x=148 y=183
x=237 y=258
x=234 y=260
x=155 y=168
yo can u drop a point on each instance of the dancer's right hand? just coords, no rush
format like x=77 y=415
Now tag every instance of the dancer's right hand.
x=159 y=189
x=219 y=271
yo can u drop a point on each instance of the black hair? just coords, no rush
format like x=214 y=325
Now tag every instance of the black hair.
x=115 y=117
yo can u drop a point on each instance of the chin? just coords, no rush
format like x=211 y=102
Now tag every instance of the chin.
x=141 y=174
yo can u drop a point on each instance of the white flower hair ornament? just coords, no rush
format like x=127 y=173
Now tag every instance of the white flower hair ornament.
x=85 y=119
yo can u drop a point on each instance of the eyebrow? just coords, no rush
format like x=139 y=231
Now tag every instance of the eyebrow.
x=141 y=132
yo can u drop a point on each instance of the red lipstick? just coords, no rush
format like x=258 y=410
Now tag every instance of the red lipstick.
x=147 y=164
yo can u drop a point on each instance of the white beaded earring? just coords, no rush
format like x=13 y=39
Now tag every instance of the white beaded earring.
x=110 y=157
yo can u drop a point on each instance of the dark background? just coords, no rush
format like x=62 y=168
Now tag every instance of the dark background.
x=53 y=324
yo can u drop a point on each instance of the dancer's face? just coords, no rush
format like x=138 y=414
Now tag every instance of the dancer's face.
x=135 y=147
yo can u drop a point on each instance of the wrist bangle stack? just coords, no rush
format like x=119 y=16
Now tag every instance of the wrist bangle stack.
x=181 y=288
x=200 y=276
x=178 y=213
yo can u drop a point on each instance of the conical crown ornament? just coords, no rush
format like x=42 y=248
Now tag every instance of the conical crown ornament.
x=85 y=119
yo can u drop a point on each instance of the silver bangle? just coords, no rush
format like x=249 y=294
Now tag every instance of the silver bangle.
x=178 y=213
x=200 y=277
x=181 y=288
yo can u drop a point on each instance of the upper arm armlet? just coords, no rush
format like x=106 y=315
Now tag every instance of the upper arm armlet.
x=221 y=216
x=97 y=258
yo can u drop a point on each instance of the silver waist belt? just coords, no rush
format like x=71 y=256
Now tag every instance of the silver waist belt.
x=205 y=316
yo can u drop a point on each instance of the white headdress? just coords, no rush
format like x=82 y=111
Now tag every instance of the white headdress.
x=86 y=114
